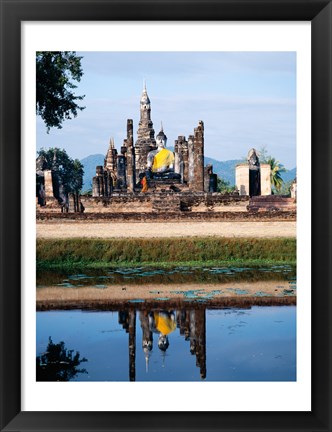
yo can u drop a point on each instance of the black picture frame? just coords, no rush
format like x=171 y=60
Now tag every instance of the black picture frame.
x=319 y=12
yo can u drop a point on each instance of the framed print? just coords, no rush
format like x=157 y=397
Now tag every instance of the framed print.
x=213 y=340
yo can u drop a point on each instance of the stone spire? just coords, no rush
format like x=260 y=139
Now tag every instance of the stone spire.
x=110 y=159
x=145 y=127
x=145 y=134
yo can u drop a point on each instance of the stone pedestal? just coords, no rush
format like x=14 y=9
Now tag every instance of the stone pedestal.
x=164 y=185
x=166 y=203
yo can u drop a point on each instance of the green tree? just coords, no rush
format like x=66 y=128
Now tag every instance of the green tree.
x=58 y=363
x=76 y=181
x=285 y=189
x=224 y=186
x=276 y=169
x=70 y=171
x=262 y=154
x=55 y=99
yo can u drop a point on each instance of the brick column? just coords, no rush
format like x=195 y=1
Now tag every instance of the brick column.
x=129 y=143
x=197 y=184
x=242 y=178
x=265 y=179
x=191 y=159
x=48 y=183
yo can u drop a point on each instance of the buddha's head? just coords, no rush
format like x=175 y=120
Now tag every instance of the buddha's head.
x=252 y=157
x=161 y=139
x=163 y=342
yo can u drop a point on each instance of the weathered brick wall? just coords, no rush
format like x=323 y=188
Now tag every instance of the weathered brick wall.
x=166 y=201
x=118 y=203
x=157 y=201
x=186 y=204
x=214 y=202
x=271 y=203
x=173 y=216
x=52 y=206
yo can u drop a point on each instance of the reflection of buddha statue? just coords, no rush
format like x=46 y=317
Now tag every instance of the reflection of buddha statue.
x=165 y=324
x=160 y=162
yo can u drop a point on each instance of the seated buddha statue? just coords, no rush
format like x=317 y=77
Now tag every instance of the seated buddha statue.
x=160 y=162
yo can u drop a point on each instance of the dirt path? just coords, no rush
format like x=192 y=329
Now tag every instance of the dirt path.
x=155 y=292
x=104 y=229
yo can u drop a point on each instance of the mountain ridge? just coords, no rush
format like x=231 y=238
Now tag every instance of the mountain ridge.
x=224 y=169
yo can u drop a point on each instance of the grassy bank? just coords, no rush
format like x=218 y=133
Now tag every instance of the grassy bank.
x=164 y=252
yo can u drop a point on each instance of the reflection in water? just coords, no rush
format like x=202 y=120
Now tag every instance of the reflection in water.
x=191 y=324
x=146 y=343
x=58 y=363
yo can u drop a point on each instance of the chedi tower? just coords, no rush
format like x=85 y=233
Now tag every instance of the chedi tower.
x=145 y=134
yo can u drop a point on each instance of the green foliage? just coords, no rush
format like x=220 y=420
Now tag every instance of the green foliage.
x=108 y=252
x=57 y=363
x=285 y=189
x=262 y=155
x=55 y=73
x=76 y=180
x=70 y=170
x=276 y=169
x=224 y=186
x=224 y=169
x=87 y=192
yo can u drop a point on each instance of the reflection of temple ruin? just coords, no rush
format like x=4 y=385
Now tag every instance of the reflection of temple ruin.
x=128 y=321
x=190 y=322
x=192 y=325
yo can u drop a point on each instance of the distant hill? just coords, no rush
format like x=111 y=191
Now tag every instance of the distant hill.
x=90 y=163
x=224 y=169
x=289 y=175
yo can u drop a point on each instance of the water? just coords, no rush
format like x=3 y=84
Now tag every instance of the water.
x=220 y=344
x=175 y=275
x=178 y=329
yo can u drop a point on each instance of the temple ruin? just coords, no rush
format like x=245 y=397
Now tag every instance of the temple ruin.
x=122 y=171
x=146 y=177
x=252 y=177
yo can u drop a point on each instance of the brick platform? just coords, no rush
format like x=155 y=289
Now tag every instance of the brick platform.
x=271 y=203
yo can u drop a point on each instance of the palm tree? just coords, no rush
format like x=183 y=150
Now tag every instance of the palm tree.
x=276 y=169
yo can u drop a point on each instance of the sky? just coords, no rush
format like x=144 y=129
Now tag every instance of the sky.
x=245 y=99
